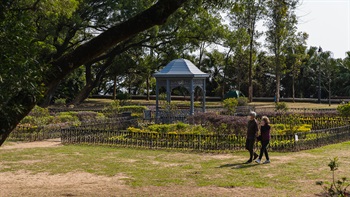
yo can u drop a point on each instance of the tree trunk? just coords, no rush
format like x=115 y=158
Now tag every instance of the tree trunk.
x=278 y=79
x=12 y=115
x=250 y=75
x=293 y=88
x=84 y=93
x=148 y=87
x=88 y=73
x=91 y=84
x=115 y=88
x=329 y=91
x=46 y=101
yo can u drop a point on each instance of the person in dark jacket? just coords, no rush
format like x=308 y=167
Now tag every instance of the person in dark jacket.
x=265 y=137
x=252 y=130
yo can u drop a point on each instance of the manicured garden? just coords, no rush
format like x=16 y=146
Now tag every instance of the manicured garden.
x=210 y=131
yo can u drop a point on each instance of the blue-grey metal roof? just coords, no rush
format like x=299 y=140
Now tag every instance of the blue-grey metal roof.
x=180 y=68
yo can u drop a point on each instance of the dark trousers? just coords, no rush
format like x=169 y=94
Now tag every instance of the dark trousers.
x=249 y=145
x=264 y=144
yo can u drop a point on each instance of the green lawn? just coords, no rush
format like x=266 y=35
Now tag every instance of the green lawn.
x=289 y=174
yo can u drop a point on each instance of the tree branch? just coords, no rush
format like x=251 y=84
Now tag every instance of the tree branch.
x=155 y=15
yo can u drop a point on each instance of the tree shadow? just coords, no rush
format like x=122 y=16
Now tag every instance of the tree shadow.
x=238 y=165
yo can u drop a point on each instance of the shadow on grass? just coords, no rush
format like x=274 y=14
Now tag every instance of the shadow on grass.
x=238 y=165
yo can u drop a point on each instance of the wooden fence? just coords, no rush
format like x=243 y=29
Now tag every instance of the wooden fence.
x=201 y=142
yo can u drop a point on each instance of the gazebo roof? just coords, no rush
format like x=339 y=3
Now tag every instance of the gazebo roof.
x=180 y=68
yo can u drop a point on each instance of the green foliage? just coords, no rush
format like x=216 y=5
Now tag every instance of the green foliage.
x=112 y=109
x=281 y=106
x=177 y=128
x=344 y=109
x=283 y=129
x=32 y=28
x=115 y=108
x=88 y=115
x=70 y=87
x=64 y=117
x=169 y=107
x=60 y=102
x=37 y=121
x=335 y=188
x=123 y=98
x=39 y=112
x=38 y=117
x=230 y=105
x=132 y=109
x=242 y=101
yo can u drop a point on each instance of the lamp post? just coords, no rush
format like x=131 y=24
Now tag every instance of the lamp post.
x=319 y=75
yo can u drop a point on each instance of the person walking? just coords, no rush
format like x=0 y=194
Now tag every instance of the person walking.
x=252 y=130
x=265 y=137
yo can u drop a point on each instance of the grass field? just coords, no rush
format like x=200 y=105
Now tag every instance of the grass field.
x=216 y=104
x=107 y=171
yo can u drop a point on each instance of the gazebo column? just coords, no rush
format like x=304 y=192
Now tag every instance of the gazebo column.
x=192 y=98
x=168 y=91
x=203 y=97
x=157 y=100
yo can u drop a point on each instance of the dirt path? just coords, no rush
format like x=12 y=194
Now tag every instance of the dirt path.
x=39 y=144
x=84 y=184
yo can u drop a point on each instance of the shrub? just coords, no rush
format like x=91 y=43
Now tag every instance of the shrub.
x=100 y=116
x=230 y=105
x=171 y=129
x=38 y=117
x=278 y=127
x=335 y=188
x=60 y=102
x=132 y=109
x=112 y=109
x=213 y=122
x=28 y=120
x=242 y=101
x=133 y=129
x=169 y=106
x=39 y=112
x=86 y=115
x=344 y=109
x=181 y=126
x=281 y=106
x=161 y=128
x=282 y=129
x=62 y=118
x=70 y=118
x=124 y=98
x=45 y=120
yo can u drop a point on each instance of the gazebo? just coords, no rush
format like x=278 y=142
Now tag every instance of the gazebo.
x=180 y=73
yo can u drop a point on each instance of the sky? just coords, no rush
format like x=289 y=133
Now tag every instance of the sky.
x=328 y=24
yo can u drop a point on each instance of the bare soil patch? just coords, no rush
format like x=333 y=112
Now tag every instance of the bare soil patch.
x=38 y=144
x=85 y=184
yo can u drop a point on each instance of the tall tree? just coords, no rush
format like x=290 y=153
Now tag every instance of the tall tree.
x=329 y=69
x=281 y=23
x=295 y=50
x=246 y=14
